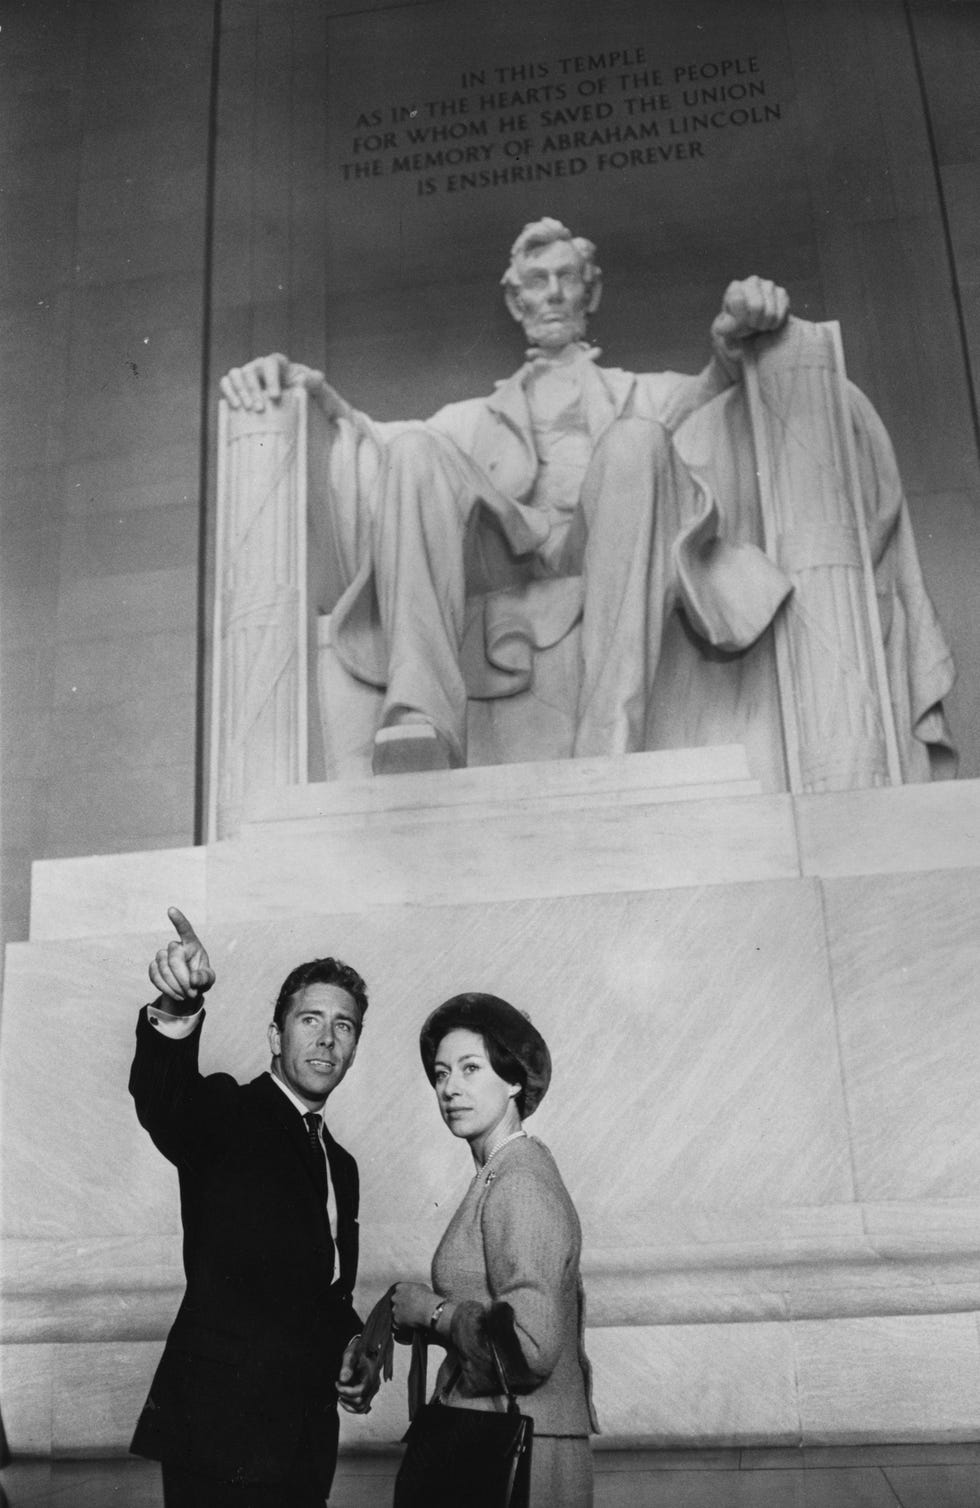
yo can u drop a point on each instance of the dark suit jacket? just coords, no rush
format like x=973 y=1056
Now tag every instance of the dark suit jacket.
x=247 y=1376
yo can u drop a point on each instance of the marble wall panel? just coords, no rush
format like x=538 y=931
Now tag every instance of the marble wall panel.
x=68 y=1023
x=27 y=1384
x=703 y=1384
x=128 y=1287
x=152 y=477
x=127 y=603
x=668 y=774
x=35 y=336
x=102 y=672
x=96 y=1288
x=805 y=1383
x=15 y=886
x=119 y=893
x=98 y=1393
x=905 y=956
x=105 y=544
x=129 y=735
x=150 y=325
x=84 y=814
x=692 y=1029
x=947 y=35
x=901 y=1378
x=936 y=446
x=901 y=828
x=402 y=857
x=710 y=1385
x=149 y=231
x=853 y=67
x=695 y=1024
x=105 y=122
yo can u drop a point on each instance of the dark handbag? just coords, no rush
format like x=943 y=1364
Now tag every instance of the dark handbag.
x=467 y=1458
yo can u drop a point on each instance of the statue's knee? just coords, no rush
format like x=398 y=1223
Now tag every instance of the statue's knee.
x=413 y=450
x=628 y=460
x=633 y=435
x=417 y=480
x=418 y=459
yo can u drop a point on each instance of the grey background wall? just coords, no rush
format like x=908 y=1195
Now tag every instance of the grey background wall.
x=133 y=274
x=105 y=110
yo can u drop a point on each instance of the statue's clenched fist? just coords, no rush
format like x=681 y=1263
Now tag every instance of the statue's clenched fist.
x=749 y=307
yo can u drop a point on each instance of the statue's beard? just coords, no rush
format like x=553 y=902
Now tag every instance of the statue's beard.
x=544 y=332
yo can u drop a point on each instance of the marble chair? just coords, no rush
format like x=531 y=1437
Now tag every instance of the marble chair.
x=844 y=690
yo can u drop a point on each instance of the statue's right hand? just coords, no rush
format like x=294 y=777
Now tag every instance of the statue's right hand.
x=182 y=970
x=261 y=380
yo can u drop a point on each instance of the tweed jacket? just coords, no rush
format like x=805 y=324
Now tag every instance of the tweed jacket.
x=516 y=1240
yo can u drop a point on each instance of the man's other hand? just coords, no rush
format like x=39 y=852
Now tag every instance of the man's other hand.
x=358 y=1381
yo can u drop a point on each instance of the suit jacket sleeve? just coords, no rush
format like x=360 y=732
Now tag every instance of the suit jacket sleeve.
x=174 y=1103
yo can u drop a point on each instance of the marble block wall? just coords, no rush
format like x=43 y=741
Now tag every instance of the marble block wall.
x=761 y=1012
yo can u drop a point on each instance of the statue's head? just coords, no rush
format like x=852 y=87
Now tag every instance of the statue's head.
x=552 y=284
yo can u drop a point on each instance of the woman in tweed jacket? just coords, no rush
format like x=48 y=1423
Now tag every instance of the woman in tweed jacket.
x=508 y=1264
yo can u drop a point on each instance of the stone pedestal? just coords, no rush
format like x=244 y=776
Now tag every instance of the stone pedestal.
x=762 y=1016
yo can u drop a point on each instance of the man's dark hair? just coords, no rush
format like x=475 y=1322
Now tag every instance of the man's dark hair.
x=322 y=971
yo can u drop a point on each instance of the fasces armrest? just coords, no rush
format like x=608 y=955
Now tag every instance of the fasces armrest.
x=263 y=618
x=837 y=717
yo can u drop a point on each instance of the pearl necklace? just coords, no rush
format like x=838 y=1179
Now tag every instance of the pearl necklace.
x=514 y=1136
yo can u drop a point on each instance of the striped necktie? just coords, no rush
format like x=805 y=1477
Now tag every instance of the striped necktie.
x=313 y=1124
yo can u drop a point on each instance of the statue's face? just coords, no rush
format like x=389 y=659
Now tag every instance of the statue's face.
x=553 y=301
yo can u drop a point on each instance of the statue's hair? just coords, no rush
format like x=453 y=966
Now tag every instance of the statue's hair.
x=539 y=233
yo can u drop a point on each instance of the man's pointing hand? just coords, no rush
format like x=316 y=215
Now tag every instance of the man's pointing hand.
x=182 y=970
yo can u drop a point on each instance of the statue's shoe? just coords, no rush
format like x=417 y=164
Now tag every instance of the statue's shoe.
x=409 y=749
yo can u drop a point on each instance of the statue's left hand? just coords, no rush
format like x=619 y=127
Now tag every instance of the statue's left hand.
x=750 y=306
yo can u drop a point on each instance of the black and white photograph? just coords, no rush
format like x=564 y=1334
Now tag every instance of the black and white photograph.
x=490 y=654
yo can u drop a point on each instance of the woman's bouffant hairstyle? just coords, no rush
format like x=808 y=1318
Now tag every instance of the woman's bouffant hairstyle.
x=321 y=971
x=515 y=1048
x=507 y=1067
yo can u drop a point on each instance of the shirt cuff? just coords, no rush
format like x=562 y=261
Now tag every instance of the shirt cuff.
x=169 y=1024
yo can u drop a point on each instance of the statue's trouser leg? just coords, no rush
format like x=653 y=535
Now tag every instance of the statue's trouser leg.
x=633 y=495
x=427 y=552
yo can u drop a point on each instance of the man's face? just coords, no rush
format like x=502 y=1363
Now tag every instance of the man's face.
x=317 y=1042
x=553 y=301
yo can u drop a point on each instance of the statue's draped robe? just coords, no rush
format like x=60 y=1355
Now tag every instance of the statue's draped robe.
x=704 y=683
x=700 y=698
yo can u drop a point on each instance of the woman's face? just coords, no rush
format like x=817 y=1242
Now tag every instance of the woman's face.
x=473 y=1098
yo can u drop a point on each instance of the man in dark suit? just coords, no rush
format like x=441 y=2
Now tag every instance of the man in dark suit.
x=243 y=1408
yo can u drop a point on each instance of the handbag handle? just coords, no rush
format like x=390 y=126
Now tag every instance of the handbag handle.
x=419 y=1367
x=505 y=1387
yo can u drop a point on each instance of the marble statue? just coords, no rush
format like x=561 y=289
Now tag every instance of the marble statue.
x=581 y=496
x=565 y=474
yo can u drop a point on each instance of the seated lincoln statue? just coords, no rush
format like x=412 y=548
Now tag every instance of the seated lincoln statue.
x=560 y=499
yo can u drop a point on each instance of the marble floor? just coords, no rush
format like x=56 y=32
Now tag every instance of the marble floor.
x=879 y=1476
